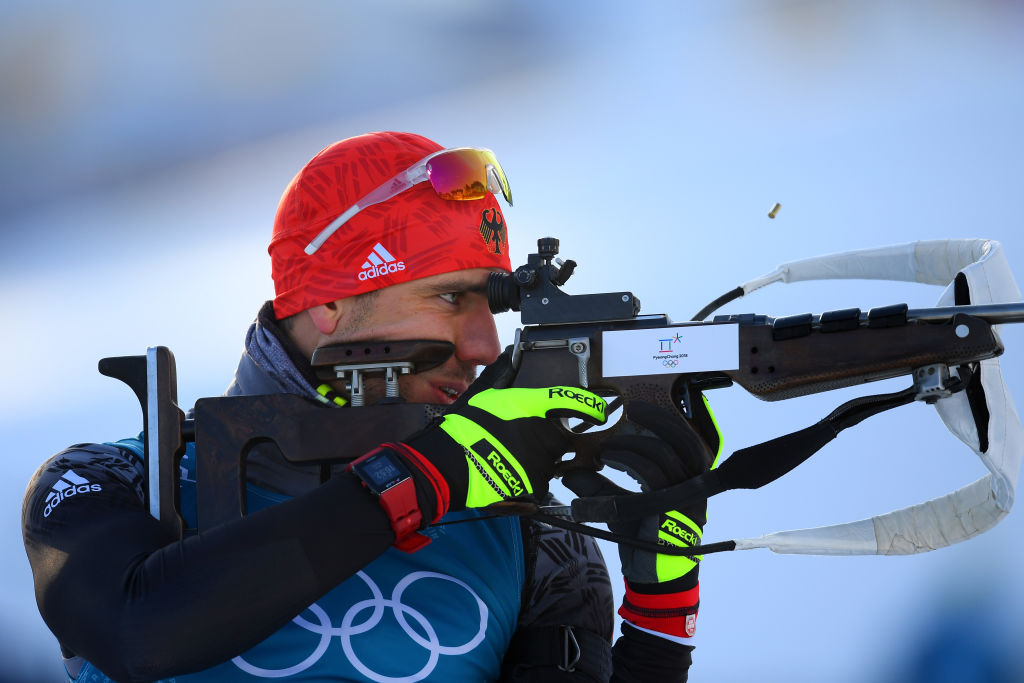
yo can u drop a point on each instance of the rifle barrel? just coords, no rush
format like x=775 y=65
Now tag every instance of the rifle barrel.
x=994 y=314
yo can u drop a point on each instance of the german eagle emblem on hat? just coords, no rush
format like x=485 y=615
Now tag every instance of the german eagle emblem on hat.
x=492 y=230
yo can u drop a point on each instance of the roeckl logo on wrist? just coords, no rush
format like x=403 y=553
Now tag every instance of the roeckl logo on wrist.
x=680 y=532
x=489 y=453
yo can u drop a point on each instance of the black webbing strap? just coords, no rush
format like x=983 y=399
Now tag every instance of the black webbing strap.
x=748 y=468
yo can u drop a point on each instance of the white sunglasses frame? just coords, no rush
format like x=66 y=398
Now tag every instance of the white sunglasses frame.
x=415 y=174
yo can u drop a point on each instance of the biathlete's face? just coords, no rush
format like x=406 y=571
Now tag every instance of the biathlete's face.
x=449 y=307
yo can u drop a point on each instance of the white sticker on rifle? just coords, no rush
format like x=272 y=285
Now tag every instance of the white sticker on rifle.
x=671 y=350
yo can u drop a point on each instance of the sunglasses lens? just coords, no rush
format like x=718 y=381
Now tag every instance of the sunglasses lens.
x=466 y=173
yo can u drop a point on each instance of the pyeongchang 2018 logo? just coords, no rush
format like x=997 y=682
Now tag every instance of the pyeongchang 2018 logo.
x=380 y=262
x=669 y=356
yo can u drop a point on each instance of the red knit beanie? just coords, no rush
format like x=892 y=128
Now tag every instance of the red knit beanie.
x=412 y=235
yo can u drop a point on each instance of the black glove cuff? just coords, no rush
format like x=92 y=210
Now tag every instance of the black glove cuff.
x=450 y=460
x=684 y=583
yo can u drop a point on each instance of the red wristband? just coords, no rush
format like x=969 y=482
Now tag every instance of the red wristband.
x=674 y=614
x=441 y=493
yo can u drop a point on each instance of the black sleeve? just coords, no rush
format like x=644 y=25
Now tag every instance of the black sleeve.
x=140 y=605
x=639 y=656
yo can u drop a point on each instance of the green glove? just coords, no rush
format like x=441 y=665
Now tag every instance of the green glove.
x=661 y=590
x=496 y=443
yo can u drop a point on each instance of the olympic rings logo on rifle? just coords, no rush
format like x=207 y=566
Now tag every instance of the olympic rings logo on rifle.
x=431 y=643
x=670 y=362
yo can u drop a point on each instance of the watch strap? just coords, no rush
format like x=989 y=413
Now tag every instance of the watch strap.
x=399 y=501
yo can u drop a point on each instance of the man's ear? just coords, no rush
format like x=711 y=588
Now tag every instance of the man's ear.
x=325 y=317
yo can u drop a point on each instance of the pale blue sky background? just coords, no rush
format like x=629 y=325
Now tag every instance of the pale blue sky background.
x=143 y=151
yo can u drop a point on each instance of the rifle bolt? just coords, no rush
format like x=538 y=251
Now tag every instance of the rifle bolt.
x=774 y=210
x=962 y=331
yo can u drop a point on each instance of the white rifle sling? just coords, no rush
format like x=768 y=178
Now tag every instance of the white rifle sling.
x=970 y=510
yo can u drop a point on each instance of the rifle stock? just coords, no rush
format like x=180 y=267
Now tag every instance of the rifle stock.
x=776 y=370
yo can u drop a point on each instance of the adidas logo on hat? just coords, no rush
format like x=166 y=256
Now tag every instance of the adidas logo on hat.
x=380 y=262
x=68 y=485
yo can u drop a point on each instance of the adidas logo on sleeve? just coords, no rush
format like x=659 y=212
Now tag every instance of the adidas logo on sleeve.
x=380 y=262
x=70 y=484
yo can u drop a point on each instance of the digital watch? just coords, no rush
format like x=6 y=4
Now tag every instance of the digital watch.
x=384 y=473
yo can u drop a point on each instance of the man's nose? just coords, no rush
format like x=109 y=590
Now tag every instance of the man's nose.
x=478 y=338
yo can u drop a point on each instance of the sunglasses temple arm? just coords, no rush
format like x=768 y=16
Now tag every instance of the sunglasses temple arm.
x=398 y=184
x=319 y=240
x=497 y=185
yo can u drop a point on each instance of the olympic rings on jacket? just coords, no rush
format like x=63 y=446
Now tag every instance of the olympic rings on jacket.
x=377 y=603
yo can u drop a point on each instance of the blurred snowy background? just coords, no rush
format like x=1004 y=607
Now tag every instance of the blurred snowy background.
x=144 y=146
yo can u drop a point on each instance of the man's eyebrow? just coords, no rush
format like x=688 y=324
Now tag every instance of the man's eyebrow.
x=457 y=285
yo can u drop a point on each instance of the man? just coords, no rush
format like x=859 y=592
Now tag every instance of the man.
x=381 y=237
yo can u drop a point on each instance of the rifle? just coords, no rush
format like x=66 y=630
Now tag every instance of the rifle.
x=597 y=341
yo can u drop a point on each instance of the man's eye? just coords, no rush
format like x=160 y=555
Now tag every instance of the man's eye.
x=450 y=297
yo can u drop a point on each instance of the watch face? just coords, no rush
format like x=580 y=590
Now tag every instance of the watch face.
x=381 y=472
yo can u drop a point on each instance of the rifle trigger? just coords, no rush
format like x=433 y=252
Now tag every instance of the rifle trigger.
x=580 y=347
